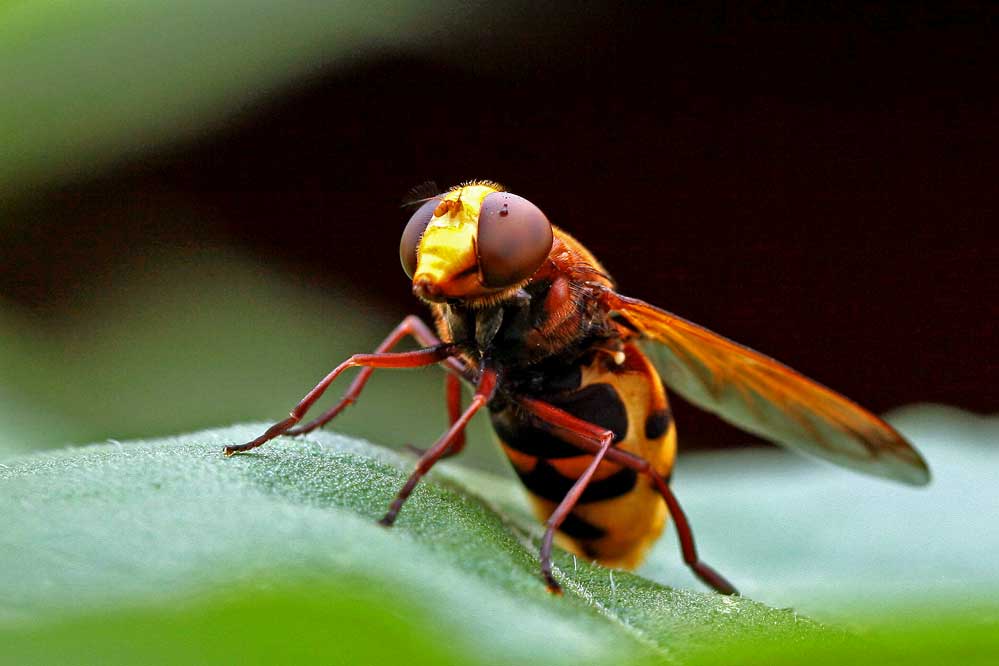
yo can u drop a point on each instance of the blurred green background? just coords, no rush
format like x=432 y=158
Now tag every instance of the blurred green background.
x=199 y=216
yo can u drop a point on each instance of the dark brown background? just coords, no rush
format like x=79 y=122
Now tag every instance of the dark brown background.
x=821 y=186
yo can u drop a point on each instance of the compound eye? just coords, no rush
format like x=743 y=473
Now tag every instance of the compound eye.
x=412 y=233
x=513 y=239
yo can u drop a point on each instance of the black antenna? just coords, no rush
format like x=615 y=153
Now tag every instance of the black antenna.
x=421 y=194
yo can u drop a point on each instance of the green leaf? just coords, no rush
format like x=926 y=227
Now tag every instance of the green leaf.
x=165 y=548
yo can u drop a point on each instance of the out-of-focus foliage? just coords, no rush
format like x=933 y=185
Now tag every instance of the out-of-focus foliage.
x=199 y=339
x=830 y=542
x=943 y=635
x=87 y=83
x=180 y=339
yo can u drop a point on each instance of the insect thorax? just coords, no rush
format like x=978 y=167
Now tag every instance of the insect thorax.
x=536 y=345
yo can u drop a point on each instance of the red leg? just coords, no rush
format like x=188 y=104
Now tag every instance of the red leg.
x=410 y=326
x=452 y=388
x=452 y=391
x=565 y=507
x=413 y=359
x=591 y=438
x=483 y=392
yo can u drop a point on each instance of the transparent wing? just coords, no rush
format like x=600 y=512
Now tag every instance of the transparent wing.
x=767 y=398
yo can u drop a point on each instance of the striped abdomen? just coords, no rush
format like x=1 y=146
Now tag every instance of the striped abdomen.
x=620 y=514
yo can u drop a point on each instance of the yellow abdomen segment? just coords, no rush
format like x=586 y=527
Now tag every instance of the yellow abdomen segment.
x=621 y=514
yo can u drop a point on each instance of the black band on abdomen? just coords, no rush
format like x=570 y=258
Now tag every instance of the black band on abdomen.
x=546 y=482
x=598 y=404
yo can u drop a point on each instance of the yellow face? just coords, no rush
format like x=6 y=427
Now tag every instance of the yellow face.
x=475 y=241
x=447 y=258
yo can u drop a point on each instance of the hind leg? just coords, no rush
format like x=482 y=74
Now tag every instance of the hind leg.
x=593 y=439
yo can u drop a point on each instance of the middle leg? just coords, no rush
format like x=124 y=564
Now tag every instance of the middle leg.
x=483 y=392
x=452 y=393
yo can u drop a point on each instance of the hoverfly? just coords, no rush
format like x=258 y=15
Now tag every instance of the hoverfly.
x=530 y=319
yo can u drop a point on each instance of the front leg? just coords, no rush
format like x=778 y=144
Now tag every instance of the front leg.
x=410 y=326
x=413 y=359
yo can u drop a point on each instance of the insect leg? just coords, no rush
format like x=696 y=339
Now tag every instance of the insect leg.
x=565 y=507
x=483 y=392
x=452 y=387
x=588 y=436
x=410 y=326
x=413 y=359
x=452 y=392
